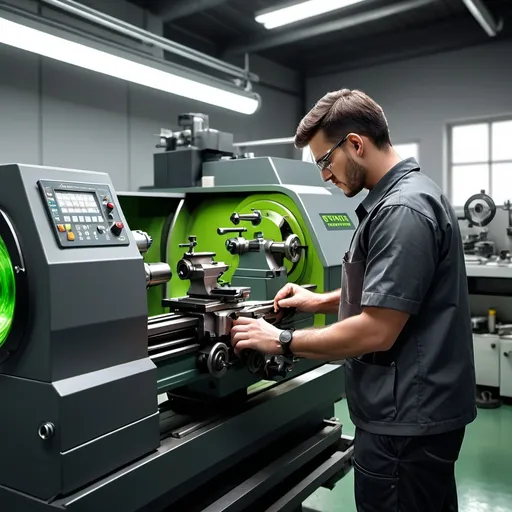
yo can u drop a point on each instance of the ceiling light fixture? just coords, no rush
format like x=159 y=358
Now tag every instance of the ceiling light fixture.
x=64 y=50
x=483 y=16
x=296 y=12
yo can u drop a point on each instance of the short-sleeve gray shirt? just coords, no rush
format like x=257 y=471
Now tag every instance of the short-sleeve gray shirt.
x=407 y=255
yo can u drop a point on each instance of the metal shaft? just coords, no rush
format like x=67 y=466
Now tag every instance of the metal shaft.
x=157 y=273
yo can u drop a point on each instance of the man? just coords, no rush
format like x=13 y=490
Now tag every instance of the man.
x=404 y=321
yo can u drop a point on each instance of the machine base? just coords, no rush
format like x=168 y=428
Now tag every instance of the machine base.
x=279 y=446
x=270 y=484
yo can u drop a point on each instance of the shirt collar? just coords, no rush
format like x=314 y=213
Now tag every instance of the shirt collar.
x=386 y=183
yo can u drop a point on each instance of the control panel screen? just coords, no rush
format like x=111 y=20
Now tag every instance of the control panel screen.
x=79 y=207
x=83 y=214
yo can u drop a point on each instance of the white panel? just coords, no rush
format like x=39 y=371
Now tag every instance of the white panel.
x=502 y=140
x=506 y=368
x=410 y=150
x=487 y=359
x=85 y=121
x=502 y=182
x=20 y=136
x=468 y=180
x=470 y=143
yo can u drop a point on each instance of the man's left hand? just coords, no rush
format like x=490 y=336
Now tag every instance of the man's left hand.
x=256 y=334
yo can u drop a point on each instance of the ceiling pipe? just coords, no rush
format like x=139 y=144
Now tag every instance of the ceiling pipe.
x=301 y=34
x=484 y=17
x=186 y=8
x=144 y=36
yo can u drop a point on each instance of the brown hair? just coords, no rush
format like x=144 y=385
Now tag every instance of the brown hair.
x=341 y=112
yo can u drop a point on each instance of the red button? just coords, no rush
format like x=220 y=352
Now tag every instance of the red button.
x=117 y=228
x=110 y=206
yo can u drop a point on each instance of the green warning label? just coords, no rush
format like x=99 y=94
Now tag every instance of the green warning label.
x=334 y=221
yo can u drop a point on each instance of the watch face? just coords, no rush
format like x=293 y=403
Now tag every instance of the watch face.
x=285 y=337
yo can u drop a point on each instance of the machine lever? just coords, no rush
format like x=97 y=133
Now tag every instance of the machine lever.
x=254 y=218
x=192 y=242
x=225 y=231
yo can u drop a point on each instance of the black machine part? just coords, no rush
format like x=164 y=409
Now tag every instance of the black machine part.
x=181 y=164
x=479 y=210
x=196 y=131
x=508 y=208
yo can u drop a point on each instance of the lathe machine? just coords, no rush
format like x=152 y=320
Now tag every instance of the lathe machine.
x=98 y=318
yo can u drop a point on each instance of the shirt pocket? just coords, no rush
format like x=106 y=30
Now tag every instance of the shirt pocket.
x=352 y=280
x=370 y=390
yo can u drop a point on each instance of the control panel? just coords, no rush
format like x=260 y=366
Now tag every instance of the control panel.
x=83 y=214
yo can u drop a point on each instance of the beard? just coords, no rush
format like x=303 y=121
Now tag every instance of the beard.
x=355 y=176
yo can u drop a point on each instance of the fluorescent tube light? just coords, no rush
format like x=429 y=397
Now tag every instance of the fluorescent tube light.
x=302 y=11
x=70 y=52
x=483 y=16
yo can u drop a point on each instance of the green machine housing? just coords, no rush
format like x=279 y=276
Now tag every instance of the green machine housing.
x=292 y=200
x=270 y=220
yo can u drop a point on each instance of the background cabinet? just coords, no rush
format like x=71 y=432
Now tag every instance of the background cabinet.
x=487 y=359
x=506 y=366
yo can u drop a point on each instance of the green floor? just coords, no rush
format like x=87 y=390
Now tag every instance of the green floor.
x=484 y=470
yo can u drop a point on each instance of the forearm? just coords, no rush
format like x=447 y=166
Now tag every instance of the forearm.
x=329 y=302
x=351 y=337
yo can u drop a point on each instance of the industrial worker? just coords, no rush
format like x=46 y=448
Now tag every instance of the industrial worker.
x=403 y=327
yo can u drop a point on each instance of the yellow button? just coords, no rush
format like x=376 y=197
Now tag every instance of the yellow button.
x=61 y=228
x=71 y=236
x=68 y=227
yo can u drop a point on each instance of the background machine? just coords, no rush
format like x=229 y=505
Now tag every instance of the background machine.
x=111 y=300
x=487 y=230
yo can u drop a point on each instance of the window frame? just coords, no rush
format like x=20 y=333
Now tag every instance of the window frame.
x=489 y=120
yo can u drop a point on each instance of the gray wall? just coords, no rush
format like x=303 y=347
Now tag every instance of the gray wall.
x=420 y=96
x=58 y=115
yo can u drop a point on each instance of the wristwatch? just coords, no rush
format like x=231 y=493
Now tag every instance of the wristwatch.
x=285 y=340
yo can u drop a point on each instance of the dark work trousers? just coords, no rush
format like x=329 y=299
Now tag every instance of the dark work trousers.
x=406 y=474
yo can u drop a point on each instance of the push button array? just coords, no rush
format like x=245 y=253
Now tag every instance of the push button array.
x=63 y=228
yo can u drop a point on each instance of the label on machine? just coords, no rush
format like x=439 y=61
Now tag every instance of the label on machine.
x=336 y=221
x=83 y=214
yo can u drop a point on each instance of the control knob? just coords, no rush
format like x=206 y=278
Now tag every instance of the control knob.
x=116 y=228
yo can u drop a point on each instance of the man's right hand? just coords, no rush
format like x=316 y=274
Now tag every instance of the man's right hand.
x=294 y=296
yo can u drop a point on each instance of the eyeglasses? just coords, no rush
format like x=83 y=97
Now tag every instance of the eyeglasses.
x=323 y=162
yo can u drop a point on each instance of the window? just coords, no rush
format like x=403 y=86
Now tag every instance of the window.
x=307 y=156
x=480 y=158
x=407 y=150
